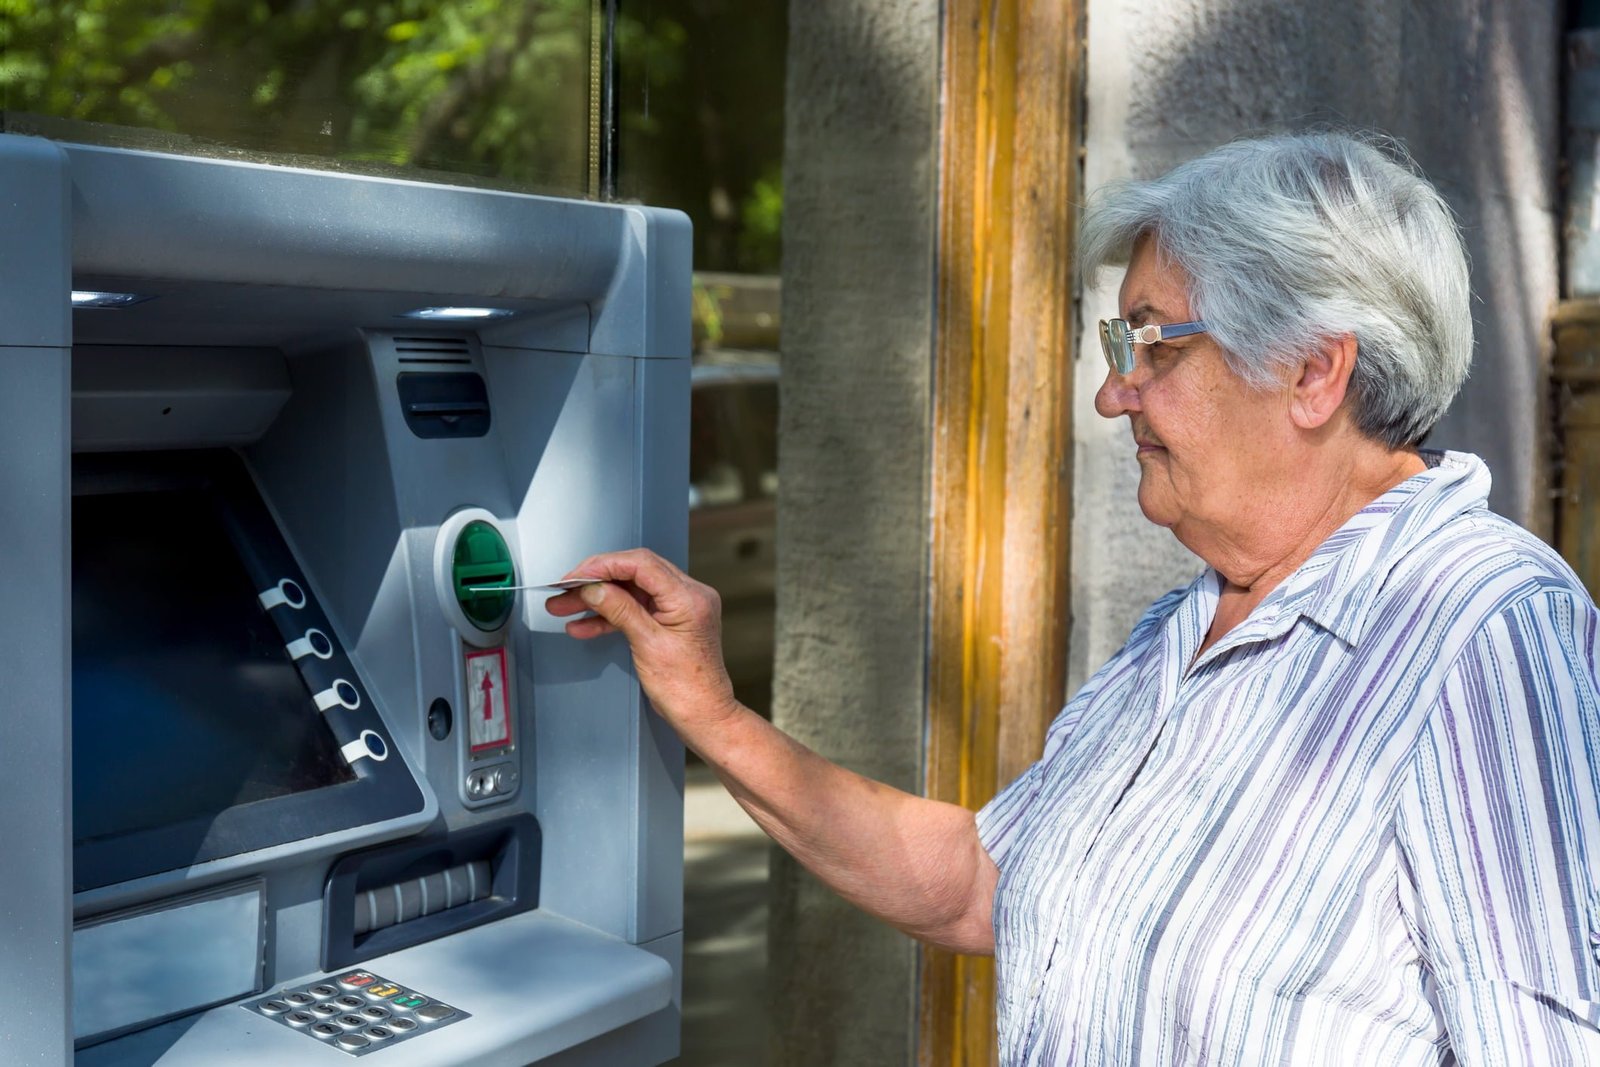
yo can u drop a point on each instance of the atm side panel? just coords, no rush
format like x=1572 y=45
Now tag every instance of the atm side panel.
x=35 y=630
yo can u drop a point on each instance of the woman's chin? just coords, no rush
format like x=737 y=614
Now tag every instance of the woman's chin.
x=1156 y=505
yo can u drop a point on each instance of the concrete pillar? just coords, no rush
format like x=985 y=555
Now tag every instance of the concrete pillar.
x=861 y=168
x=1469 y=85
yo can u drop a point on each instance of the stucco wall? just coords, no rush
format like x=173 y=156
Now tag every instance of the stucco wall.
x=1469 y=85
x=859 y=225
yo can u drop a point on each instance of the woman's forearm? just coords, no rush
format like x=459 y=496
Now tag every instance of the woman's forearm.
x=915 y=863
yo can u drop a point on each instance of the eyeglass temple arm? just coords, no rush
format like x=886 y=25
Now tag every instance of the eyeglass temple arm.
x=1162 y=333
x=1178 y=330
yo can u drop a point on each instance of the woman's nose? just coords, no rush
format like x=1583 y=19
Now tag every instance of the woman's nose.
x=1117 y=395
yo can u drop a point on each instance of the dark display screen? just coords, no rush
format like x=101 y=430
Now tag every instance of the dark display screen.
x=184 y=702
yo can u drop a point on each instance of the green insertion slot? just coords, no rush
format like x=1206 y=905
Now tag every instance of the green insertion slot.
x=483 y=577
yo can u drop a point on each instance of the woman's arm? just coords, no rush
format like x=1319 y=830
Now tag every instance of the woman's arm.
x=915 y=863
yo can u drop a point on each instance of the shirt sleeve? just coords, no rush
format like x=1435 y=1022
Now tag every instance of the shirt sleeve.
x=999 y=819
x=1499 y=834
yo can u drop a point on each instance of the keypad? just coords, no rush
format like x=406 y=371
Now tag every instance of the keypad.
x=356 y=1012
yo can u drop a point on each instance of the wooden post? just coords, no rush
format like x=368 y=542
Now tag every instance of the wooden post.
x=1002 y=477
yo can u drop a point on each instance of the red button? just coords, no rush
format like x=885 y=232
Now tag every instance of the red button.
x=357 y=979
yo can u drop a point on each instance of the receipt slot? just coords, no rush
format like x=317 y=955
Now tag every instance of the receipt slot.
x=295 y=771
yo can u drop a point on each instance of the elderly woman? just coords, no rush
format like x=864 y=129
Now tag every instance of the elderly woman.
x=1335 y=802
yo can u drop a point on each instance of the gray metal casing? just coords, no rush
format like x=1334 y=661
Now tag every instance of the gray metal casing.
x=589 y=387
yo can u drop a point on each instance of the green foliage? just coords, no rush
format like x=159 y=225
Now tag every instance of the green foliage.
x=705 y=313
x=497 y=88
x=701 y=86
x=493 y=87
x=761 y=240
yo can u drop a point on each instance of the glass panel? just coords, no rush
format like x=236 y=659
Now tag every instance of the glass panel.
x=713 y=449
x=760 y=419
x=700 y=88
x=700 y=113
x=493 y=91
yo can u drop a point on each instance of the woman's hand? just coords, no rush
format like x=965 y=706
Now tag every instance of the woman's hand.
x=673 y=625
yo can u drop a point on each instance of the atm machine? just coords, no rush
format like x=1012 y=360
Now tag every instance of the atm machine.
x=294 y=769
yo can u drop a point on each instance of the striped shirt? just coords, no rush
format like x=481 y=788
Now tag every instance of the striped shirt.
x=1361 y=830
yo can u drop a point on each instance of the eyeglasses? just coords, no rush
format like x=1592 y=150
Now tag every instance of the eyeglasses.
x=1117 y=339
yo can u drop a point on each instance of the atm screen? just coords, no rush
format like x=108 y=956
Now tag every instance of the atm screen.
x=185 y=703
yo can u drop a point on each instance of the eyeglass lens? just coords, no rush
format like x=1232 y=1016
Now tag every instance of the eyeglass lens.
x=1114 y=343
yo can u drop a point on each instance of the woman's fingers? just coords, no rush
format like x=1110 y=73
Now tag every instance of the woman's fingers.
x=672 y=624
x=614 y=604
x=647 y=572
x=583 y=629
x=662 y=591
x=564 y=604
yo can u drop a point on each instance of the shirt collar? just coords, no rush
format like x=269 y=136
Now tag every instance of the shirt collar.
x=1335 y=587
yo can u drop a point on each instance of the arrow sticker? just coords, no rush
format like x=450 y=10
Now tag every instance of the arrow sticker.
x=489 y=703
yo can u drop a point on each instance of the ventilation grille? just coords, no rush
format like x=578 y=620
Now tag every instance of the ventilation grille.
x=434 y=349
x=402 y=902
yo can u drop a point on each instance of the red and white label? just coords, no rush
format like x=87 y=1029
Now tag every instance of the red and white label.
x=488 y=700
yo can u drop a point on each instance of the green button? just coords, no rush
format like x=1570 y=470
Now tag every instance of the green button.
x=410 y=1000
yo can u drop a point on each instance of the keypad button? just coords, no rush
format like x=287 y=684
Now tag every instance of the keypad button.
x=357 y=1011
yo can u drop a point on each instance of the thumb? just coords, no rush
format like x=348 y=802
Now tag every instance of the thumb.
x=616 y=607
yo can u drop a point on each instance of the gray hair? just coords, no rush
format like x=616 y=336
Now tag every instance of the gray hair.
x=1290 y=240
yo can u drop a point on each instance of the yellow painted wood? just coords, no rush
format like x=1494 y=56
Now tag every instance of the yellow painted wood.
x=1002 y=426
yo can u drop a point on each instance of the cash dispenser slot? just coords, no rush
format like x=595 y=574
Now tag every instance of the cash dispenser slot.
x=385 y=899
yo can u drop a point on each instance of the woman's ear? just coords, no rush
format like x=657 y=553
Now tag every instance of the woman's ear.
x=1323 y=381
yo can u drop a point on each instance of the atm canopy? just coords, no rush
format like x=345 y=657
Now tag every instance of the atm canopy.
x=222 y=252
